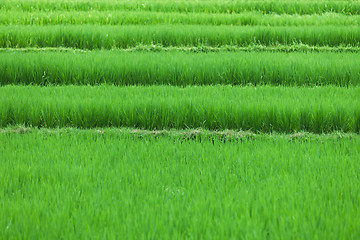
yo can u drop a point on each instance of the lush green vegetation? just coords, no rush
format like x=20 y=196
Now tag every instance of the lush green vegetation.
x=161 y=119
x=260 y=109
x=87 y=184
x=348 y=7
x=152 y=18
x=179 y=68
x=95 y=37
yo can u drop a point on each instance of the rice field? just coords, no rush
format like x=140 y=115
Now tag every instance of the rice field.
x=122 y=17
x=110 y=184
x=180 y=68
x=257 y=109
x=179 y=119
x=108 y=37
x=349 y=7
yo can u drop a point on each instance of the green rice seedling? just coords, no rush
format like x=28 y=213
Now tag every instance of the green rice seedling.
x=151 y=18
x=279 y=7
x=259 y=109
x=87 y=184
x=107 y=37
x=179 y=68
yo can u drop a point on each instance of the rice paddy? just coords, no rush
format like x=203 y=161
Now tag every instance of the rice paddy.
x=179 y=68
x=179 y=119
x=109 y=184
x=121 y=17
x=302 y=7
x=108 y=37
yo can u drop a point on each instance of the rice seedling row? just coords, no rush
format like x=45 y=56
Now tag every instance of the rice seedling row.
x=179 y=68
x=107 y=37
x=81 y=184
x=152 y=18
x=230 y=7
x=259 y=109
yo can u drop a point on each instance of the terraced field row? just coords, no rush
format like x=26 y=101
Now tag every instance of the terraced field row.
x=107 y=37
x=349 y=7
x=179 y=68
x=258 y=109
x=114 y=185
x=121 y=17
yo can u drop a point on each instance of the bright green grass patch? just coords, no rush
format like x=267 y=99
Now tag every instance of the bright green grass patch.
x=78 y=184
x=152 y=18
x=179 y=68
x=259 y=109
x=279 y=7
x=95 y=37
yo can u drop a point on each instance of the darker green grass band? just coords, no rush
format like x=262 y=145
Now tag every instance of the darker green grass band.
x=124 y=17
x=129 y=36
x=255 y=109
x=178 y=68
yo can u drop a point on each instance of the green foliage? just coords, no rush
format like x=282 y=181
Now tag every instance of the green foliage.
x=259 y=109
x=179 y=68
x=155 y=116
x=152 y=18
x=82 y=184
x=213 y=6
x=106 y=37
